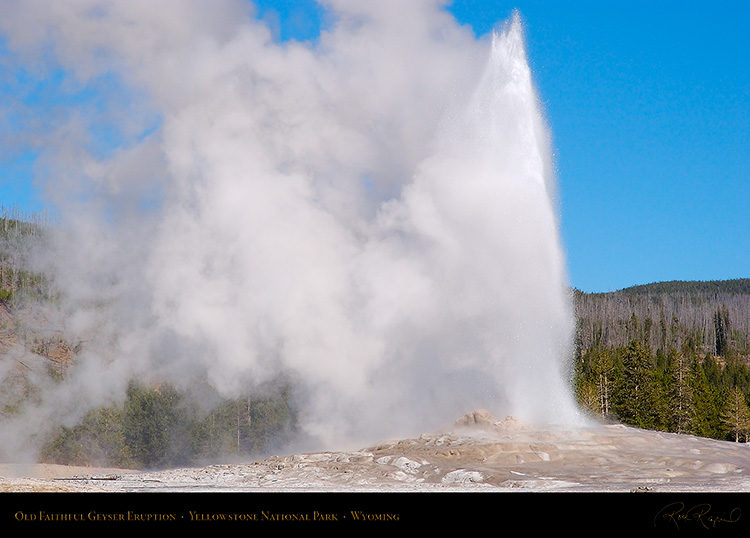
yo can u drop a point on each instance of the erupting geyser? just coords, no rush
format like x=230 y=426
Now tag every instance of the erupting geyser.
x=372 y=215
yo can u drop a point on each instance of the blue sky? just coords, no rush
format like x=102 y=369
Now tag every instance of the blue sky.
x=649 y=106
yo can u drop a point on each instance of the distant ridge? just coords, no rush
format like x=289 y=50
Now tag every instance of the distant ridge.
x=712 y=316
x=734 y=286
x=671 y=356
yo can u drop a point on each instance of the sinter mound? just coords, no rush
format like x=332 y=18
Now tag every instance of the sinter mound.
x=479 y=453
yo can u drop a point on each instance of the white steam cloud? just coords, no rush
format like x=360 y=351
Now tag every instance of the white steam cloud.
x=372 y=214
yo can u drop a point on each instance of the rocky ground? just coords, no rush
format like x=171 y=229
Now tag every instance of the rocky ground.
x=479 y=453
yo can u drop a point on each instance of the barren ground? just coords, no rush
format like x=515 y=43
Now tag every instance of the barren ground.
x=479 y=453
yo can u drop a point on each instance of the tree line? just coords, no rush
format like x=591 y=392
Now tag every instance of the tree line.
x=19 y=235
x=672 y=357
x=711 y=317
x=160 y=426
x=156 y=426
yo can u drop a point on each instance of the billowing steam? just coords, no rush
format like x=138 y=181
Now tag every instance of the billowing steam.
x=372 y=214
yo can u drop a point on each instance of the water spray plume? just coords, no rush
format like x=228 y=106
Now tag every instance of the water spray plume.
x=372 y=216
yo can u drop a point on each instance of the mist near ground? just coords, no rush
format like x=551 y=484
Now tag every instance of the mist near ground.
x=371 y=215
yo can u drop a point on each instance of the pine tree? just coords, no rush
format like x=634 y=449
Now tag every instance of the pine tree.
x=638 y=399
x=721 y=324
x=587 y=396
x=603 y=370
x=706 y=399
x=736 y=416
x=681 y=408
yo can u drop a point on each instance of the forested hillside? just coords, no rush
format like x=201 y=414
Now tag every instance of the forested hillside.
x=671 y=356
x=157 y=425
x=710 y=317
x=18 y=234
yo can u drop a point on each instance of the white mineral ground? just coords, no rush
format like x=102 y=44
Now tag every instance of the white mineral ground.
x=479 y=453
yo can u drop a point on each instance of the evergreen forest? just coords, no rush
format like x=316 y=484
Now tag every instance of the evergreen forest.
x=158 y=425
x=670 y=356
